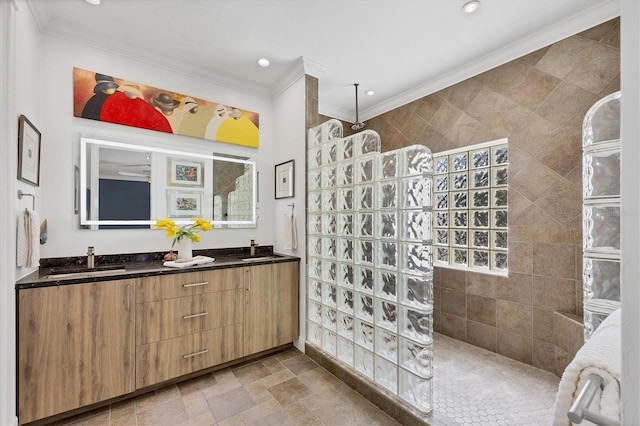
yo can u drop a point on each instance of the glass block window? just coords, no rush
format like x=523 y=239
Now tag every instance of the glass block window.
x=470 y=218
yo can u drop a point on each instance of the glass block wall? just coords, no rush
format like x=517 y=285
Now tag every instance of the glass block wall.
x=601 y=211
x=370 y=269
x=470 y=208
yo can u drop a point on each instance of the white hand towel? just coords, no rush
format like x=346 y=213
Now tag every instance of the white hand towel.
x=28 y=239
x=600 y=355
x=290 y=233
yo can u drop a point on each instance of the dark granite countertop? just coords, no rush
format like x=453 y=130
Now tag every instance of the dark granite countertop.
x=55 y=271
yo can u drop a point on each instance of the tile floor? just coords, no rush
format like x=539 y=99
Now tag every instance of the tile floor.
x=471 y=387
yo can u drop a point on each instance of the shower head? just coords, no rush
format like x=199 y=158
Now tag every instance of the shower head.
x=358 y=125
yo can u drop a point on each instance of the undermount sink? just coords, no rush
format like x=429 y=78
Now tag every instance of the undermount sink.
x=257 y=259
x=83 y=274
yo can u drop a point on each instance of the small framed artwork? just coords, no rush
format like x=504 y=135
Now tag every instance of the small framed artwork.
x=284 y=179
x=186 y=173
x=184 y=203
x=29 y=141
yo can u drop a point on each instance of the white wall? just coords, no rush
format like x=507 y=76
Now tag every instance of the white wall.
x=630 y=213
x=290 y=134
x=61 y=132
x=20 y=79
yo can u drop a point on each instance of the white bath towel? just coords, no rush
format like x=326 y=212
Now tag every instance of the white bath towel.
x=290 y=233
x=600 y=355
x=28 y=239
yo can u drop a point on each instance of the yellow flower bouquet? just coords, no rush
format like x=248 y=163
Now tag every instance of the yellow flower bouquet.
x=185 y=231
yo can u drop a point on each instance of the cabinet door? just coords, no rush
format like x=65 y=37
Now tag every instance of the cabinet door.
x=75 y=346
x=271 y=306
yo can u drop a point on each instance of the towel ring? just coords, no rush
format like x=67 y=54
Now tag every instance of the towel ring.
x=24 y=194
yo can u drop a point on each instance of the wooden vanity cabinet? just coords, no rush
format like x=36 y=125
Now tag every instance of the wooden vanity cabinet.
x=80 y=344
x=75 y=346
x=187 y=322
x=271 y=306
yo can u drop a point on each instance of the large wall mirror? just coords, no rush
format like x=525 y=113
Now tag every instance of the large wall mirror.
x=123 y=185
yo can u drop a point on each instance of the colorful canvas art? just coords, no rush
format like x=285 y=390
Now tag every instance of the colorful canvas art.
x=101 y=97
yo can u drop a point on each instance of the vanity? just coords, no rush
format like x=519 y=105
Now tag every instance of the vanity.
x=91 y=337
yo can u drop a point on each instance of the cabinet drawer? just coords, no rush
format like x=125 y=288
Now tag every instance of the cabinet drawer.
x=169 y=318
x=161 y=287
x=167 y=359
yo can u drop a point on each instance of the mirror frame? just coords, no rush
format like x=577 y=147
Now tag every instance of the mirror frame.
x=92 y=224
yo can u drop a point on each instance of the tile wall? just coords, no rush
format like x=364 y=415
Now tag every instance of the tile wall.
x=538 y=102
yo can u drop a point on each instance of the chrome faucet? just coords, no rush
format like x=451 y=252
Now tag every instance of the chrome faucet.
x=90 y=257
x=253 y=247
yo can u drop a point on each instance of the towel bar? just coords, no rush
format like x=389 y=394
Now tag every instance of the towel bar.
x=24 y=194
x=579 y=410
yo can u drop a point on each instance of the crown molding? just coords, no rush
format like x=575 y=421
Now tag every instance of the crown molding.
x=298 y=69
x=566 y=28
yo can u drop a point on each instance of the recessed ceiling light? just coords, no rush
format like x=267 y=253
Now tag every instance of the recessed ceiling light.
x=93 y=2
x=263 y=62
x=471 y=6
x=370 y=92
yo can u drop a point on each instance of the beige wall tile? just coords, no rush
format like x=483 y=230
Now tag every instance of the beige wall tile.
x=516 y=288
x=453 y=279
x=437 y=298
x=565 y=103
x=514 y=317
x=534 y=134
x=561 y=360
x=562 y=201
x=481 y=309
x=444 y=119
x=414 y=126
x=514 y=346
x=453 y=326
x=520 y=257
x=575 y=336
x=533 y=180
x=497 y=111
x=562 y=154
x=543 y=355
x=560 y=327
x=482 y=335
x=555 y=260
x=556 y=294
x=523 y=83
x=453 y=302
x=481 y=284
x=543 y=325
x=599 y=31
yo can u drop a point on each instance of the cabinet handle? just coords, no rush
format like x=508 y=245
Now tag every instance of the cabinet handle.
x=195 y=354
x=195 y=284
x=249 y=272
x=195 y=315
x=128 y=297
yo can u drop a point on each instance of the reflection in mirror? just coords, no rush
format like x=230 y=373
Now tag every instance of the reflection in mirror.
x=128 y=186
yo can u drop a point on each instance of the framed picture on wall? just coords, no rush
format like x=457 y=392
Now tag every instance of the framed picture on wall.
x=29 y=141
x=184 y=203
x=284 y=183
x=186 y=173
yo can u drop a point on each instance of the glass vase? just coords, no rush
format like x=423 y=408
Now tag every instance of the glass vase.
x=185 y=249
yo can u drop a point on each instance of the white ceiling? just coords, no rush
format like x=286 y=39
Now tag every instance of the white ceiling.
x=402 y=49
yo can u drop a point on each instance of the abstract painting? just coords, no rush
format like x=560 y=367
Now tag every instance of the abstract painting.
x=102 y=97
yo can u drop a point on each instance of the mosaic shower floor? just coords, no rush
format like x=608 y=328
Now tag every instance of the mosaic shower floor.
x=471 y=387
